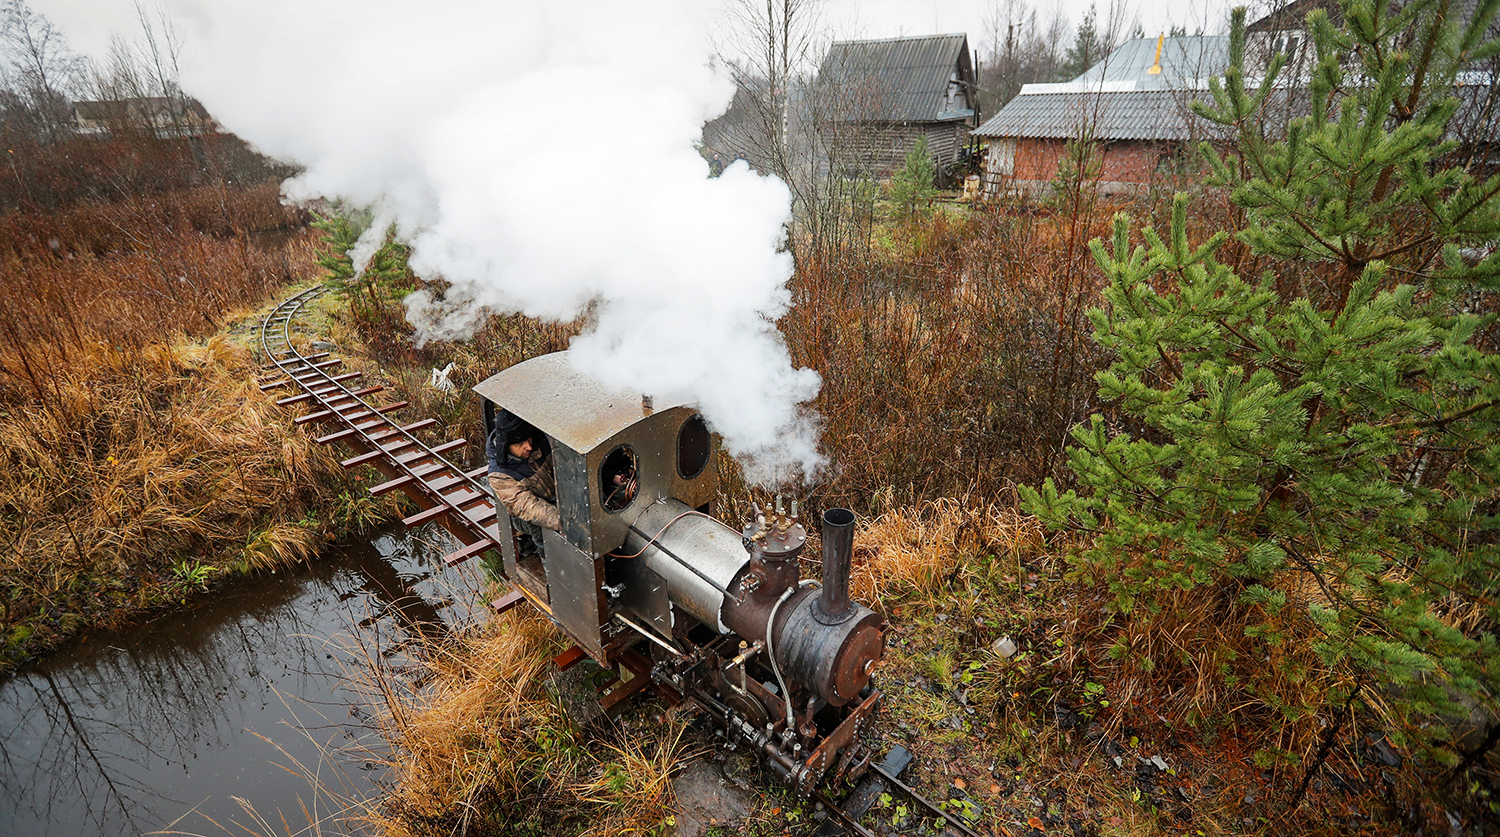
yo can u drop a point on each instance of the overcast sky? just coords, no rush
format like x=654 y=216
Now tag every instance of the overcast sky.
x=88 y=24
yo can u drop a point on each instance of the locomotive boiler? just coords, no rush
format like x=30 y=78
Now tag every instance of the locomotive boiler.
x=647 y=582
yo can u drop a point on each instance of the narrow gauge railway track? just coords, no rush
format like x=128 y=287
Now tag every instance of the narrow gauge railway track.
x=457 y=499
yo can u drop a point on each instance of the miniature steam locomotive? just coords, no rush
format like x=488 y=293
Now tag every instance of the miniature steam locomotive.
x=649 y=583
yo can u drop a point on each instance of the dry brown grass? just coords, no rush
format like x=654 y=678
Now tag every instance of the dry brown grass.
x=954 y=361
x=141 y=460
x=484 y=750
x=141 y=223
x=917 y=550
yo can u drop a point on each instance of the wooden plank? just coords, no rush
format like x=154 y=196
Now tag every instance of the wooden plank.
x=423 y=516
x=569 y=658
x=641 y=671
x=398 y=482
x=379 y=453
x=459 y=556
x=328 y=414
x=318 y=395
x=313 y=369
x=273 y=367
x=350 y=431
x=475 y=474
x=507 y=601
x=293 y=399
x=389 y=408
x=437 y=451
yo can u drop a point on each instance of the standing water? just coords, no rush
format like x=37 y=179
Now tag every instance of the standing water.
x=162 y=727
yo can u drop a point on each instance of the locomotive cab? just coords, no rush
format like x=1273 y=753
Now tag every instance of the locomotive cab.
x=614 y=454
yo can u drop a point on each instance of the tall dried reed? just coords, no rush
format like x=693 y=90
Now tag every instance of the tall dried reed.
x=484 y=750
x=954 y=362
x=141 y=462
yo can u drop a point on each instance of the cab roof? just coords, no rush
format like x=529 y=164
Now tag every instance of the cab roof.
x=574 y=409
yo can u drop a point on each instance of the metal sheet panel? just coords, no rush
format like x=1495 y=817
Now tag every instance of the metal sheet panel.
x=574 y=509
x=571 y=407
x=654 y=441
x=645 y=594
x=697 y=555
x=575 y=579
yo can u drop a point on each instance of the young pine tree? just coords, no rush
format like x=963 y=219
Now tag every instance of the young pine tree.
x=1315 y=465
x=913 y=186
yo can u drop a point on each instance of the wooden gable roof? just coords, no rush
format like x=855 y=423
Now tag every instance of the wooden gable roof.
x=919 y=79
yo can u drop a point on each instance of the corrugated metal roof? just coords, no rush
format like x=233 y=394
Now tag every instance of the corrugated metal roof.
x=901 y=79
x=1165 y=115
x=1130 y=115
x=1120 y=98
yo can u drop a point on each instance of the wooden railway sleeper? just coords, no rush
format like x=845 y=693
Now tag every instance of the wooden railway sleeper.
x=339 y=435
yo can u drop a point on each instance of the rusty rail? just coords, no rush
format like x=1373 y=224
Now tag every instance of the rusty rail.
x=449 y=495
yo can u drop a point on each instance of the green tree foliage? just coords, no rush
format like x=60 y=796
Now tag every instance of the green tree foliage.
x=385 y=279
x=1088 y=47
x=912 y=186
x=1313 y=451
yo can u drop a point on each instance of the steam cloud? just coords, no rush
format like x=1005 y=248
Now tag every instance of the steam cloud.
x=539 y=156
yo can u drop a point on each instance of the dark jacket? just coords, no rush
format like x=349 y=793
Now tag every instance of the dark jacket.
x=525 y=487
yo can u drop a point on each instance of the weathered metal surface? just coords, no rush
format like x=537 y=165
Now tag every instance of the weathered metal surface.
x=682 y=541
x=645 y=594
x=574 y=580
x=574 y=509
x=566 y=404
x=838 y=549
x=835 y=661
x=583 y=417
x=843 y=738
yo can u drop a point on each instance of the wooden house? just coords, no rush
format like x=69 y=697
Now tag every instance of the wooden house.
x=892 y=91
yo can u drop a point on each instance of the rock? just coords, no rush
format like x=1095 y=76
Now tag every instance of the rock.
x=705 y=799
x=1161 y=763
x=1066 y=718
x=1004 y=646
x=324 y=346
x=1379 y=752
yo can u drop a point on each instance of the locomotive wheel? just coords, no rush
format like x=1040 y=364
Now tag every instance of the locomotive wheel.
x=749 y=708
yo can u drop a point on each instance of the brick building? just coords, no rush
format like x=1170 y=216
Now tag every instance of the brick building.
x=1134 y=106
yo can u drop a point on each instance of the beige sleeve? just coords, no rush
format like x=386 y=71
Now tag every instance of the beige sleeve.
x=520 y=498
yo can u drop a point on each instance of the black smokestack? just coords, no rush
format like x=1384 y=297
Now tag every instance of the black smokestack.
x=838 y=546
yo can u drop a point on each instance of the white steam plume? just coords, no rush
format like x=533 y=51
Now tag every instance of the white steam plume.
x=539 y=156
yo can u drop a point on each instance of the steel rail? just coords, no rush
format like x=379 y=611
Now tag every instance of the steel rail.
x=912 y=794
x=417 y=465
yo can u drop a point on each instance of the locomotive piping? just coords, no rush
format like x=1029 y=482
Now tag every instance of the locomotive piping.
x=647 y=634
x=833 y=605
x=651 y=541
x=771 y=650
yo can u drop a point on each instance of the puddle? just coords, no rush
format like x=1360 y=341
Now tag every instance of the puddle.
x=161 y=726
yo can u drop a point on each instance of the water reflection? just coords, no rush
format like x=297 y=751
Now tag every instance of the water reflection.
x=161 y=726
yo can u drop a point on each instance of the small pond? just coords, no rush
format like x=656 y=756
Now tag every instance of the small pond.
x=245 y=694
